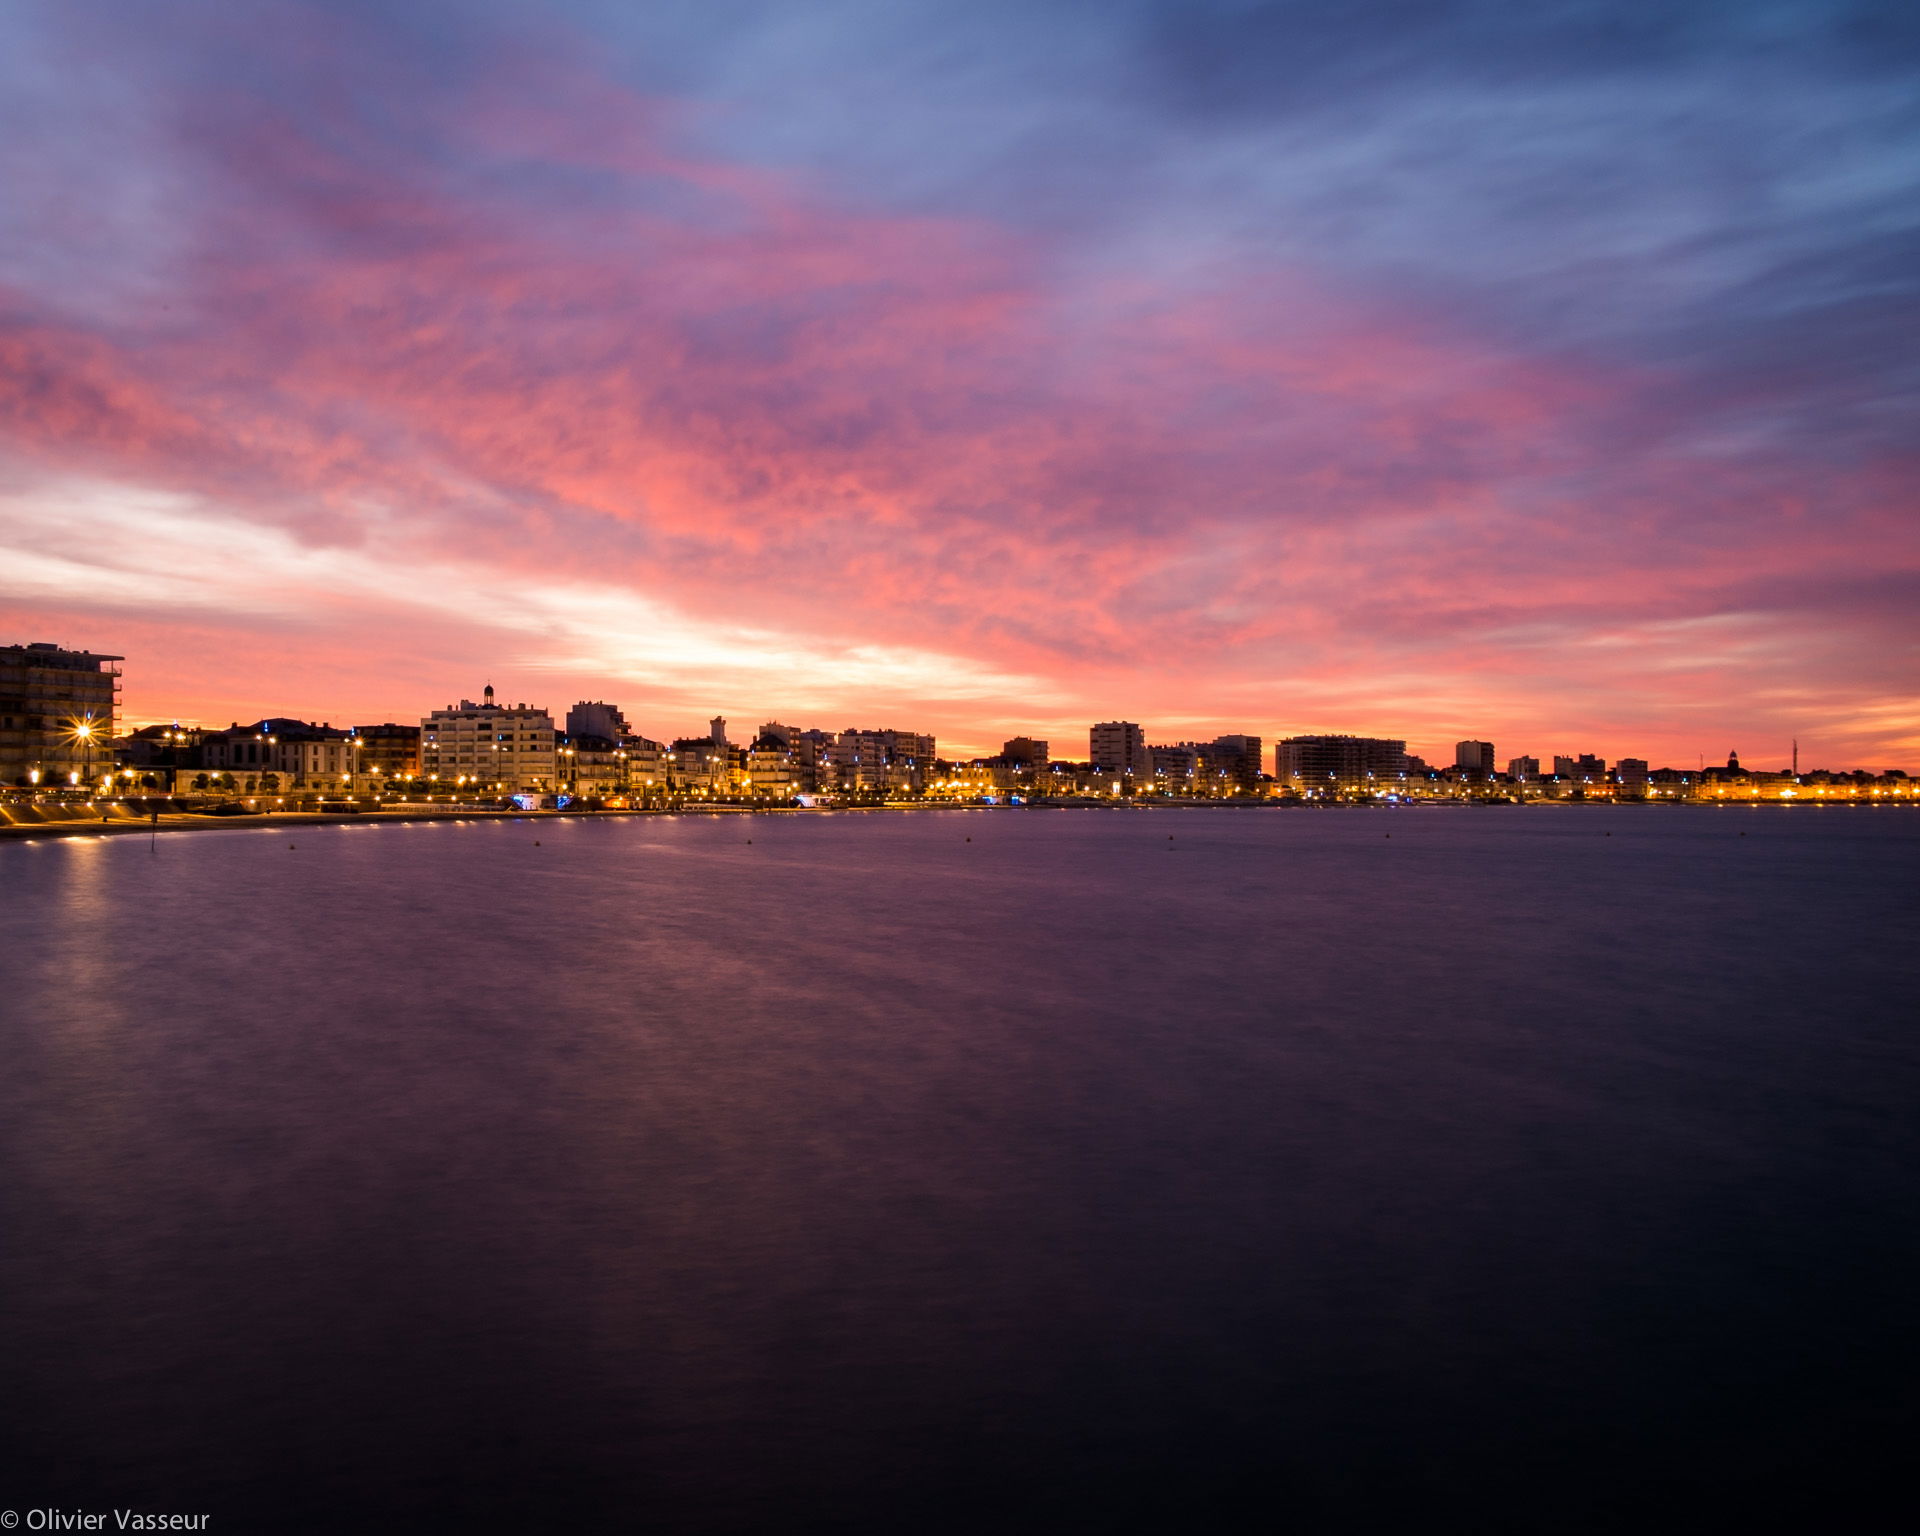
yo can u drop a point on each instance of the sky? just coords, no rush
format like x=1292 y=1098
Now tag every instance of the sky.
x=1538 y=373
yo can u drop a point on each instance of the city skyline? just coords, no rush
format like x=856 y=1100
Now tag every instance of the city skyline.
x=1437 y=751
x=1396 y=371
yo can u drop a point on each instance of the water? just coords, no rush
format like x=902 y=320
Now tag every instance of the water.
x=1534 y=1169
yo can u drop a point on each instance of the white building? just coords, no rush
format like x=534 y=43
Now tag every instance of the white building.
x=1475 y=757
x=882 y=762
x=489 y=746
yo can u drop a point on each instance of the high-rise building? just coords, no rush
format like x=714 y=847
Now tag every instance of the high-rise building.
x=1476 y=757
x=1227 y=765
x=1632 y=771
x=1177 y=769
x=489 y=745
x=1238 y=759
x=1525 y=769
x=1340 y=764
x=591 y=717
x=57 y=712
x=1119 y=747
x=1585 y=766
x=1025 y=752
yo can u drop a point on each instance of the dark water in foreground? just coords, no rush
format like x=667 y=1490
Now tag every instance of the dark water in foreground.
x=1501 y=1174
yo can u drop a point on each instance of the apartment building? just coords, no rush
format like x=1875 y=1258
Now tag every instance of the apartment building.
x=1474 y=759
x=57 y=711
x=1340 y=764
x=489 y=746
x=1119 y=748
x=389 y=751
x=882 y=762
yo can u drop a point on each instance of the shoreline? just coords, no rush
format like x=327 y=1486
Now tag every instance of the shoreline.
x=195 y=822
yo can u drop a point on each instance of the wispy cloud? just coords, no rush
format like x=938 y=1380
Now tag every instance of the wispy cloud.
x=1202 y=369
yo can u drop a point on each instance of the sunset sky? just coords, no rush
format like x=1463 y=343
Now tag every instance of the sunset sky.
x=1540 y=372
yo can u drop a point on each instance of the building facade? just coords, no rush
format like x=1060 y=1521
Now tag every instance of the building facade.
x=591 y=717
x=489 y=746
x=294 y=753
x=1119 y=748
x=1340 y=764
x=389 y=751
x=57 y=710
x=1474 y=758
x=882 y=762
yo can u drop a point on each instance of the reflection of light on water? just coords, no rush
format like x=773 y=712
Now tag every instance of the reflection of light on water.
x=75 y=1031
x=80 y=954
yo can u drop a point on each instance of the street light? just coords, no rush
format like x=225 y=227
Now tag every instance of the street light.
x=82 y=731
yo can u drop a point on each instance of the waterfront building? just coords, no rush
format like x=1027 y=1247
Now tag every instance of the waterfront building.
x=1672 y=784
x=1733 y=771
x=1523 y=770
x=1118 y=748
x=882 y=762
x=590 y=717
x=57 y=710
x=980 y=779
x=698 y=765
x=489 y=746
x=608 y=756
x=293 y=754
x=159 y=749
x=810 y=751
x=389 y=751
x=771 y=768
x=1227 y=765
x=1176 y=769
x=589 y=765
x=1475 y=758
x=645 y=762
x=1340 y=764
x=1024 y=752
x=1236 y=759
x=1631 y=772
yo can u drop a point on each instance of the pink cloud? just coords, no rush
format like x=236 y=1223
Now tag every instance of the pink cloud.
x=717 y=390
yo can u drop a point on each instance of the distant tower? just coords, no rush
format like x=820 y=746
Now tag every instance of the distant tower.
x=488 y=695
x=717 y=728
x=1733 y=761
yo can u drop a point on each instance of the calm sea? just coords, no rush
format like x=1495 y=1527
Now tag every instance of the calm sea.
x=1544 y=1169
